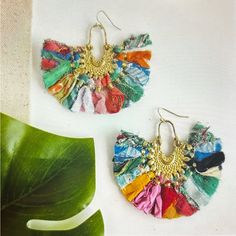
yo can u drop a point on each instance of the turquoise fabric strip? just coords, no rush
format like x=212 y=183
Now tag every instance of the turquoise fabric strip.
x=125 y=179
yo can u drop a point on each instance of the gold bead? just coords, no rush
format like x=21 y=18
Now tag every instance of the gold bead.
x=189 y=147
x=145 y=143
x=152 y=150
x=153 y=167
x=150 y=156
x=151 y=162
x=177 y=175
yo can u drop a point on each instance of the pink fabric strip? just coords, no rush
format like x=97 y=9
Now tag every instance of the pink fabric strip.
x=149 y=200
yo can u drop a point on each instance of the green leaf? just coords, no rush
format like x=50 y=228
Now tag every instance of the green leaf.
x=44 y=176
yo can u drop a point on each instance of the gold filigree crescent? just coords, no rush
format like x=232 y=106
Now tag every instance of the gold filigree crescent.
x=170 y=166
x=96 y=68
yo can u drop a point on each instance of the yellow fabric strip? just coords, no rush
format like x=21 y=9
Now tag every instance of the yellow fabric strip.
x=133 y=189
x=63 y=87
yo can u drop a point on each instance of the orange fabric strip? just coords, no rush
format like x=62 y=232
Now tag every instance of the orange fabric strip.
x=171 y=212
x=138 y=57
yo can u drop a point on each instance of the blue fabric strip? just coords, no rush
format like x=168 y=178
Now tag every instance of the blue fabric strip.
x=132 y=64
x=58 y=55
x=123 y=153
x=145 y=70
x=206 y=150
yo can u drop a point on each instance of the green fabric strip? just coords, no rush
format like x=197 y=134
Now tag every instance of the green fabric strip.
x=70 y=99
x=131 y=165
x=131 y=90
x=207 y=184
x=52 y=76
x=191 y=190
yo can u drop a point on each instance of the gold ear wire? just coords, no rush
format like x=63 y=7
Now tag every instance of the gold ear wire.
x=105 y=14
x=171 y=112
x=159 y=128
x=100 y=26
x=163 y=120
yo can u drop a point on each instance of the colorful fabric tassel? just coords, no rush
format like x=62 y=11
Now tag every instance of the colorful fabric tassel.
x=149 y=200
x=115 y=98
x=169 y=196
x=125 y=179
x=213 y=172
x=84 y=101
x=131 y=90
x=140 y=41
x=99 y=100
x=130 y=171
x=139 y=74
x=139 y=57
x=123 y=153
x=54 y=75
x=48 y=64
x=51 y=45
x=216 y=159
x=183 y=207
x=134 y=188
x=115 y=87
x=70 y=99
x=129 y=165
x=180 y=195
x=195 y=193
x=63 y=87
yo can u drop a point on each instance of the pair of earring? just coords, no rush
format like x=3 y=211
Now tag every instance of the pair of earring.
x=165 y=186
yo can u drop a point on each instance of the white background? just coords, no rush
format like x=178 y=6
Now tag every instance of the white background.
x=192 y=72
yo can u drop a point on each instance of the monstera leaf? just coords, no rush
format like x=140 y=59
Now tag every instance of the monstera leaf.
x=45 y=176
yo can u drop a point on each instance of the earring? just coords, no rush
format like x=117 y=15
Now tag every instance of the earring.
x=168 y=186
x=80 y=82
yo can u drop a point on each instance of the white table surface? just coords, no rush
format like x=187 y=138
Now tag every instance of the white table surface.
x=192 y=72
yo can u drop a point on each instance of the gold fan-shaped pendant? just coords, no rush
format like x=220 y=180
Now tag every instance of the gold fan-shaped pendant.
x=96 y=68
x=168 y=167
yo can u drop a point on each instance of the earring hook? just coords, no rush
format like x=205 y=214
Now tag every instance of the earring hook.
x=163 y=120
x=171 y=112
x=105 y=14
